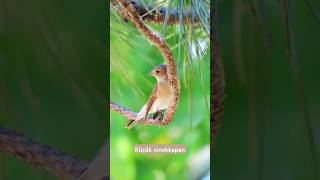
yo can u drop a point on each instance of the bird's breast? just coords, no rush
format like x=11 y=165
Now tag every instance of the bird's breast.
x=163 y=89
x=163 y=97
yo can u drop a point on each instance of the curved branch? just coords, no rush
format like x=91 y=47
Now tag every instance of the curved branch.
x=158 y=15
x=160 y=43
x=217 y=82
x=127 y=113
x=217 y=92
x=39 y=155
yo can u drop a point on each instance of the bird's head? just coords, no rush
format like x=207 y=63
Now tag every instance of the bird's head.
x=160 y=72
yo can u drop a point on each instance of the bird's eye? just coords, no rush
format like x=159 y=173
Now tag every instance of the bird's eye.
x=157 y=72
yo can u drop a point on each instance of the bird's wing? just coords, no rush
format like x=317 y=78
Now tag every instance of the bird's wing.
x=151 y=100
x=147 y=106
x=141 y=113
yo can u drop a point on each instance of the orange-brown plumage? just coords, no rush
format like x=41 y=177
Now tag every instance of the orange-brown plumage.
x=160 y=95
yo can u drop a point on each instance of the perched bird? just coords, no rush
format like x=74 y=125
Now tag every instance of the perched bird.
x=159 y=98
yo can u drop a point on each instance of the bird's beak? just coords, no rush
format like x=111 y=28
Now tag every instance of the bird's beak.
x=151 y=73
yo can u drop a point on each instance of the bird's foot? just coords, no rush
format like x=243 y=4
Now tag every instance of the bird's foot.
x=158 y=116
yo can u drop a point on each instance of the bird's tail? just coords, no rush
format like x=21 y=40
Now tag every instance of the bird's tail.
x=141 y=114
x=131 y=123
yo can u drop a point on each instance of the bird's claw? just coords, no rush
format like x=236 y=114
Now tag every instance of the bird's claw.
x=158 y=116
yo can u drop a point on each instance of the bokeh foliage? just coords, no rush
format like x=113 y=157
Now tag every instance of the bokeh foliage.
x=53 y=78
x=131 y=58
x=263 y=134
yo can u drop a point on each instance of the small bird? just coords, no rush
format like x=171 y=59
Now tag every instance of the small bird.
x=159 y=98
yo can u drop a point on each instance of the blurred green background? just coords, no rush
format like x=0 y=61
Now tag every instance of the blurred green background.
x=52 y=89
x=264 y=134
x=132 y=57
x=53 y=66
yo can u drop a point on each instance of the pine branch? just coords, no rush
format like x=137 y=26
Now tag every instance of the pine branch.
x=39 y=155
x=217 y=83
x=160 y=43
x=127 y=113
x=157 y=15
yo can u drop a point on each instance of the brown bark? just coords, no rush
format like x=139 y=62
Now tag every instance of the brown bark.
x=217 y=84
x=127 y=113
x=160 y=43
x=39 y=155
